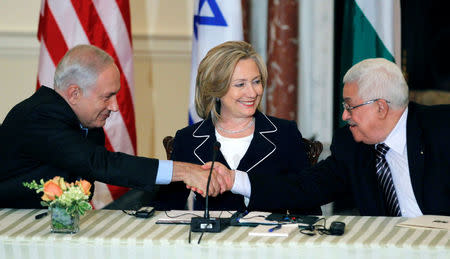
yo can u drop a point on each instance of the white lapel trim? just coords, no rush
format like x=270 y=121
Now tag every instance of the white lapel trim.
x=200 y=136
x=262 y=134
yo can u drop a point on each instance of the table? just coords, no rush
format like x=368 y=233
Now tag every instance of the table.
x=113 y=234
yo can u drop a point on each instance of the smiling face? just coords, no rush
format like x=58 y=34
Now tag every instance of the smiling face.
x=95 y=105
x=244 y=93
x=364 y=121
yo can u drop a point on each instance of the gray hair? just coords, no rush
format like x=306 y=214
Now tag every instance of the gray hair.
x=378 y=78
x=81 y=66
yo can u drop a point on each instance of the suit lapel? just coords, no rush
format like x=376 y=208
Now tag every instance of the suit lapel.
x=204 y=139
x=415 y=154
x=369 y=182
x=261 y=147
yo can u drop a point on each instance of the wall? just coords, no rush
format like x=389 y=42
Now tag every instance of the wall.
x=162 y=45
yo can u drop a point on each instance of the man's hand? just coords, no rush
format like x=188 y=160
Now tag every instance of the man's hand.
x=224 y=172
x=196 y=178
x=224 y=175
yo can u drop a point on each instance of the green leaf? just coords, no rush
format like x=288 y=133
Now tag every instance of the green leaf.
x=45 y=204
x=71 y=209
x=84 y=206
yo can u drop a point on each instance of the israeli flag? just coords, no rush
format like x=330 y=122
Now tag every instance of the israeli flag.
x=215 y=21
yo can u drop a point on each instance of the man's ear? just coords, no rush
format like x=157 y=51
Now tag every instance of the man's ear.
x=383 y=108
x=74 y=94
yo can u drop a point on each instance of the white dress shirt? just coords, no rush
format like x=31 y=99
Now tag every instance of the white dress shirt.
x=234 y=149
x=397 y=159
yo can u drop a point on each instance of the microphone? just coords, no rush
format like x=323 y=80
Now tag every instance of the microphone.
x=216 y=148
x=205 y=223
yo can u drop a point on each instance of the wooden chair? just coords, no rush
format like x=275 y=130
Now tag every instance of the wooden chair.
x=168 y=146
x=313 y=148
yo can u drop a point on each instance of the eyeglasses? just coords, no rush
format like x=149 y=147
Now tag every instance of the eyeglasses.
x=349 y=108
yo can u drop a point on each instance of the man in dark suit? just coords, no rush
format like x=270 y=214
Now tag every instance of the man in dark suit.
x=59 y=133
x=410 y=174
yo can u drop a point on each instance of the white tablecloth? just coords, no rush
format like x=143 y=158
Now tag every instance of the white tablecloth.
x=113 y=234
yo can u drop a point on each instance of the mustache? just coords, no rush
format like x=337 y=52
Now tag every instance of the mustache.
x=351 y=123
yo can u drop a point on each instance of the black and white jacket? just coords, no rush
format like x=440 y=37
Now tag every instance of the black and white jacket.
x=276 y=149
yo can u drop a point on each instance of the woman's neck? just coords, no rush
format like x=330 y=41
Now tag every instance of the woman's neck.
x=236 y=128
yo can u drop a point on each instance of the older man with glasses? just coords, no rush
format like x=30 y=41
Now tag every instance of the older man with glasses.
x=392 y=158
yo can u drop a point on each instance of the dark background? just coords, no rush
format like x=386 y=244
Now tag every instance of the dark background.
x=425 y=27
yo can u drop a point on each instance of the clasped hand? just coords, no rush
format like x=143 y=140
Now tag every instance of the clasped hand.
x=222 y=180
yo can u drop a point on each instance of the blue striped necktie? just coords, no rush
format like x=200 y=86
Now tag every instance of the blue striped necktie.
x=385 y=181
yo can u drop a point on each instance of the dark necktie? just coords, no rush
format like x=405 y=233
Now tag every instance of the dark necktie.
x=385 y=181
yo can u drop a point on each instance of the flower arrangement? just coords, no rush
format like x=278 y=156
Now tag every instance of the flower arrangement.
x=66 y=201
x=57 y=192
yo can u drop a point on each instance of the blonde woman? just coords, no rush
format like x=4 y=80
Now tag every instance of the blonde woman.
x=255 y=147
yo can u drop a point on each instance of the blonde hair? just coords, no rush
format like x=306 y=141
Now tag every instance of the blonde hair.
x=215 y=72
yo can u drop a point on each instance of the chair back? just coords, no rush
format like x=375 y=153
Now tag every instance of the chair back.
x=168 y=146
x=313 y=148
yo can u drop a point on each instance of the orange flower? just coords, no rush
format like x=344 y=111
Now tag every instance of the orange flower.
x=51 y=189
x=60 y=181
x=85 y=185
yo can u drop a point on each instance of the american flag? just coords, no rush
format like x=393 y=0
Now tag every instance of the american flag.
x=64 y=24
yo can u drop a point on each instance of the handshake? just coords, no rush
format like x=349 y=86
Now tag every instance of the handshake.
x=196 y=177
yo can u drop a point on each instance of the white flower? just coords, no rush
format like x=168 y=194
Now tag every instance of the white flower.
x=74 y=193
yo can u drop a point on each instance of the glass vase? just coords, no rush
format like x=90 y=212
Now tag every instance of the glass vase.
x=63 y=222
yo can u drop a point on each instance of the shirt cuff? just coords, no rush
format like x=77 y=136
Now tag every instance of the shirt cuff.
x=241 y=184
x=164 y=174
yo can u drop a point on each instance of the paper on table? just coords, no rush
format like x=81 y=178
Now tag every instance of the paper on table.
x=185 y=216
x=263 y=230
x=257 y=217
x=427 y=221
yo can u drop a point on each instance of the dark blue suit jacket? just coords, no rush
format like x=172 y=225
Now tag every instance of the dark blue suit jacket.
x=41 y=138
x=275 y=150
x=350 y=170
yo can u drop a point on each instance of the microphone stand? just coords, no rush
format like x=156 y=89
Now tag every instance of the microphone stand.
x=205 y=223
x=215 y=149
